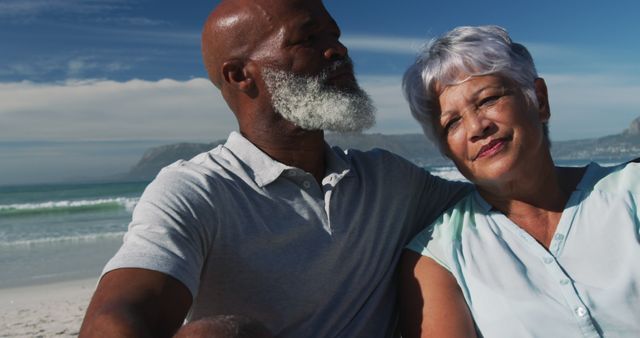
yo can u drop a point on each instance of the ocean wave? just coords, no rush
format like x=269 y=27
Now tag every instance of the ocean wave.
x=63 y=239
x=449 y=173
x=27 y=209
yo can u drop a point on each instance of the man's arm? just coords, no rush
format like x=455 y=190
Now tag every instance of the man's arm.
x=431 y=302
x=136 y=303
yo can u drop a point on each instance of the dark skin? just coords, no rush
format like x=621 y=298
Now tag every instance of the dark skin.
x=136 y=303
x=432 y=304
x=304 y=43
x=224 y=327
x=240 y=37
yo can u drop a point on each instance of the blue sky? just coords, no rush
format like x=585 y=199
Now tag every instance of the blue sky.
x=87 y=85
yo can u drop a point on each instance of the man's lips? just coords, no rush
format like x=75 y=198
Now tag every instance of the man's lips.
x=342 y=75
x=493 y=147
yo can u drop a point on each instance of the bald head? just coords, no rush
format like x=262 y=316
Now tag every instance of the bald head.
x=227 y=34
x=244 y=41
x=236 y=28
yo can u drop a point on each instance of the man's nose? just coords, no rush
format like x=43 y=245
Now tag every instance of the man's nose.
x=335 y=51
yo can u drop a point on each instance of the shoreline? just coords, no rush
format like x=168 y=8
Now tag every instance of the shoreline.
x=45 y=310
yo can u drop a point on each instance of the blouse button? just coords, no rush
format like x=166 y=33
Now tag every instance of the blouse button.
x=580 y=311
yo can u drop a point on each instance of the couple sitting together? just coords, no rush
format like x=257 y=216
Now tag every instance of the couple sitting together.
x=276 y=234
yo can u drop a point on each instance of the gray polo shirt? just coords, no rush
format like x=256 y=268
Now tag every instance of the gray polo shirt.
x=249 y=235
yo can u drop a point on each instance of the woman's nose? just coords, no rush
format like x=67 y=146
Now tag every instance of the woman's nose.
x=477 y=125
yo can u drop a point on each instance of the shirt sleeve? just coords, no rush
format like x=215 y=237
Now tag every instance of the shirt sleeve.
x=429 y=243
x=443 y=194
x=171 y=228
x=440 y=240
x=435 y=196
x=425 y=195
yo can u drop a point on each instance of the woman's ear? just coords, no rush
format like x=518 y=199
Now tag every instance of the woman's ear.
x=543 y=99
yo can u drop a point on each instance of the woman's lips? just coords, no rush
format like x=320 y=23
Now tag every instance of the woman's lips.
x=491 y=148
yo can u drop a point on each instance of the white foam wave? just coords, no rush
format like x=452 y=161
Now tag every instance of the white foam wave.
x=449 y=173
x=127 y=202
x=63 y=239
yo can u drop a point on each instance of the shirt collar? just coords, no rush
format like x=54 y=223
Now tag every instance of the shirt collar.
x=335 y=165
x=265 y=170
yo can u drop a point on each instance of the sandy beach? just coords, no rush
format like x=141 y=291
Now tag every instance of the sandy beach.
x=49 y=310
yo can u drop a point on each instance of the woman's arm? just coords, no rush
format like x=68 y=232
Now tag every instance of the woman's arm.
x=431 y=302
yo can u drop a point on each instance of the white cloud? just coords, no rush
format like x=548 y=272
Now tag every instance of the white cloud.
x=72 y=66
x=108 y=110
x=383 y=44
x=547 y=50
x=585 y=106
x=31 y=8
x=131 y=21
x=95 y=11
x=79 y=66
x=136 y=109
x=393 y=111
x=582 y=106
x=162 y=37
x=408 y=45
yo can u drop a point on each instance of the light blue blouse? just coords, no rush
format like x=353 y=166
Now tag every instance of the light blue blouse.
x=586 y=285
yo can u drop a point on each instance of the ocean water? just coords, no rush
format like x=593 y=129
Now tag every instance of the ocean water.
x=59 y=232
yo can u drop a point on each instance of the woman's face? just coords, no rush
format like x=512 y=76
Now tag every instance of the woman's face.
x=489 y=129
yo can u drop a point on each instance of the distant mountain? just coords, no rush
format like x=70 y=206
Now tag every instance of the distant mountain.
x=415 y=147
x=618 y=147
x=156 y=158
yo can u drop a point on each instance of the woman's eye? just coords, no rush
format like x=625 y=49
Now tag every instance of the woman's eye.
x=489 y=100
x=451 y=124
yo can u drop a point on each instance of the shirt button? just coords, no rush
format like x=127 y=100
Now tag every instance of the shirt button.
x=559 y=237
x=580 y=311
x=547 y=260
x=564 y=282
x=306 y=184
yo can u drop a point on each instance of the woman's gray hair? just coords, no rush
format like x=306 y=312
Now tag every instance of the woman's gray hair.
x=468 y=52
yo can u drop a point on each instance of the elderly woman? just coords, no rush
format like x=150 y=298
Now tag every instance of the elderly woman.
x=538 y=250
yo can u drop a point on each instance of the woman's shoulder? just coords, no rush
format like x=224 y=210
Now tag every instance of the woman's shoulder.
x=624 y=177
x=446 y=231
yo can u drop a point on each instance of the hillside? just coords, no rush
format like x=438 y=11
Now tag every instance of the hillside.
x=415 y=147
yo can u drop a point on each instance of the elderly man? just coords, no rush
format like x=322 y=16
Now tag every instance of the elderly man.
x=274 y=225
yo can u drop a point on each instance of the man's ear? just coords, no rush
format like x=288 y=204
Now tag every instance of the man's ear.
x=236 y=75
x=543 y=99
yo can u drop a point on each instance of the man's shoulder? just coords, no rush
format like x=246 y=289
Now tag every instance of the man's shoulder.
x=204 y=171
x=374 y=155
x=208 y=163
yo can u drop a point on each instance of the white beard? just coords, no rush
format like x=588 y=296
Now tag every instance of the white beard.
x=310 y=104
